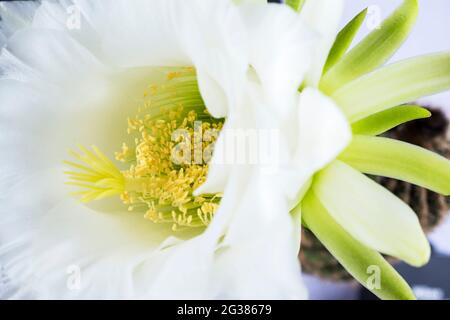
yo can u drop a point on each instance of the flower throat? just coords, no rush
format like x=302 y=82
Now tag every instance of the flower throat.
x=166 y=163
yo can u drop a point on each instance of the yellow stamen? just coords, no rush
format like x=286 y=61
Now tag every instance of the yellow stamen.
x=158 y=182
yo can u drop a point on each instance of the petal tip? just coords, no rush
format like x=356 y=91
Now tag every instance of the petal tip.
x=421 y=256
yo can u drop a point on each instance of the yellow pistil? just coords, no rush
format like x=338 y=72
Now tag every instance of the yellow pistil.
x=166 y=163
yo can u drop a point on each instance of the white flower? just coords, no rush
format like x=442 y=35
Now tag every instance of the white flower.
x=72 y=74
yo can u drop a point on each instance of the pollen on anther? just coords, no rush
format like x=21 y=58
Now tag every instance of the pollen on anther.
x=154 y=181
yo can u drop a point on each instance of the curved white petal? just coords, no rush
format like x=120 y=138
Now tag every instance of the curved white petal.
x=66 y=240
x=55 y=57
x=54 y=15
x=149 y=37
x=53 y=84
x=16 y=15
x=261 y=234
x=371 y=213
x=2 y=39
x=219 y=170
x=323 y=16
x=323 y=131
x=212 y=93
x=214 y=37
x=258 y=257
x=281 y=48
x=208 y=35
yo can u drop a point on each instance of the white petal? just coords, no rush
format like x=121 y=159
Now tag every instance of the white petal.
x=53 y=55
x=51 y=15
x=16 y=15
x=219 y=170
x=2 y=39
x=213 y=95
x=322 y=16
x=208 y=35
x=260 y=201
x=148 y=39
x=258 y=259
x=317 y=133
x=281 y=47
x=214 y=37
x=50 y=234
x=53 y=85
x=46 y=240
x=323 y=131
x=372 y=214
x=260 y=233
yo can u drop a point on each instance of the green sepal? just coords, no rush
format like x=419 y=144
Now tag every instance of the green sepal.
x=295 y=4
x=383 y=121
x=344 y=40
x=399 y=160
x=360 y=261
x=393 y=85
x=374 y=50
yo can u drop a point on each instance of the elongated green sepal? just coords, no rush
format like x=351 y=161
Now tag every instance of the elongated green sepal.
x=399 y=160
x=344 y=40
x=371 y=214
x=383 y=121
x=393 y=85
x=295 y=4
x=364 y=264
x=374 y=50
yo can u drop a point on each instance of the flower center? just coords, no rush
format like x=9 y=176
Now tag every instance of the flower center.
x=174 y=137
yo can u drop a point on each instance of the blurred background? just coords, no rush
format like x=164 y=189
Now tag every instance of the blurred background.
x=431 y=34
